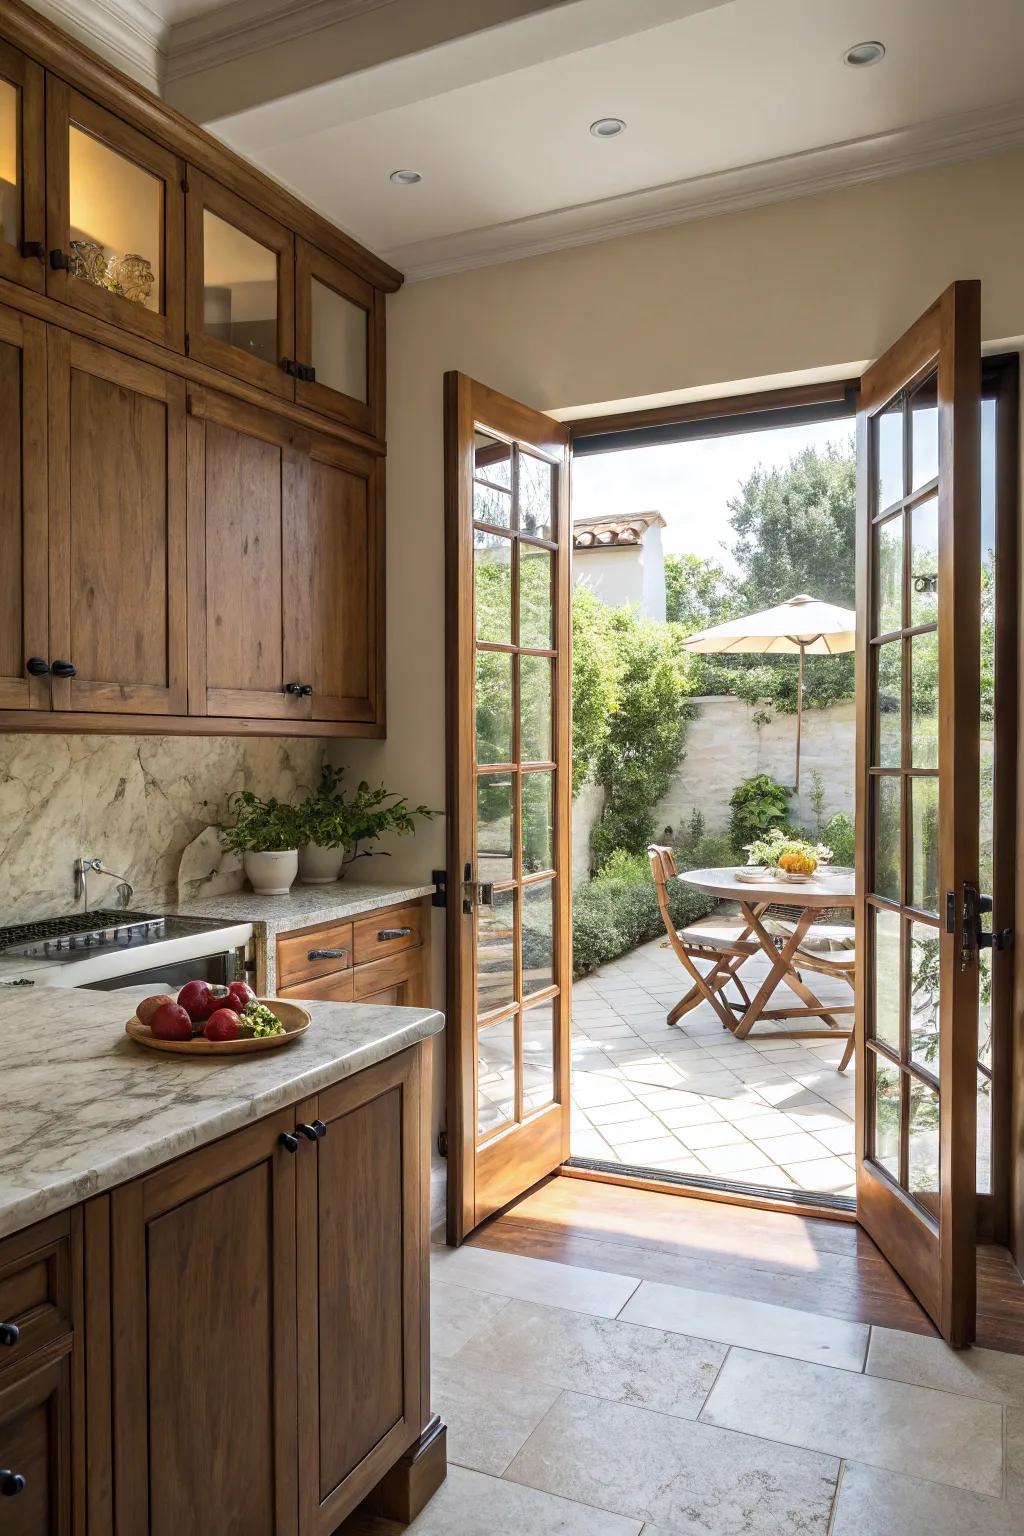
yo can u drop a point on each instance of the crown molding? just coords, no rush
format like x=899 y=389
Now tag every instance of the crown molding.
x=943 y=141
x=126 y=32
x=247 y=26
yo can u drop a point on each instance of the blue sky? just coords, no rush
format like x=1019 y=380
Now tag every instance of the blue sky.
x=690 y=483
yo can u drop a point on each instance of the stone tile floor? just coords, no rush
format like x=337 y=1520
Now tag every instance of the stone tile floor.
x=581 y=1403
x=692 y=1099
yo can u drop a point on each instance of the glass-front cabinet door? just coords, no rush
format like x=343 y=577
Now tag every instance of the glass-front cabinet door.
x=338 y=341
x=114 y=219
x=22 y=209
x=241 y=285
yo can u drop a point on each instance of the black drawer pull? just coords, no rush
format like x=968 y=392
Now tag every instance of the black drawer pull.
x=288 y=1141
x=37 y=666
x=327 y=954
x=392 y=933
x=64 y=669
x=10 y=1333
x=11 y=1483
x=315 y=1132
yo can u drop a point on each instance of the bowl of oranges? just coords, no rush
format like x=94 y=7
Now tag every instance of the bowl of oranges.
x=798 y=866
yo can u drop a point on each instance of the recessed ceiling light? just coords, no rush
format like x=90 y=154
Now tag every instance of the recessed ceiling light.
x=405 y=178
x=607 y=127
x=863 y=54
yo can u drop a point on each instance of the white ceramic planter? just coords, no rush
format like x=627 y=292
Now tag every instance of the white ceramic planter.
x=271 y=874
x=319 y=866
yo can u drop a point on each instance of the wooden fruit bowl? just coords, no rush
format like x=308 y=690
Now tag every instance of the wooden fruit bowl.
x=295 y=1020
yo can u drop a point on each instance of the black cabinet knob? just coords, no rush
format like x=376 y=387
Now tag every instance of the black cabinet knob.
x=10 y=1333
x=37 y=666
x=312 y=1132
x=320 y=1126
x=64 y=669
x=290 y=367
x=59 y=261
x=11 y=1483
x=295 y=688
x=34 y=248
x=288 y=1141
x=306 y=690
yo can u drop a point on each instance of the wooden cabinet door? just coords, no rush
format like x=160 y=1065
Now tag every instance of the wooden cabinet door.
x=333 y=582
x=35 y=1452
x=362 y=1234
x=22 y=207
x=114 y=219
x=339 y=341
x=203 y=1303
x=24 y=625
x=246 y=467
x=240 y=279
x=117 y=531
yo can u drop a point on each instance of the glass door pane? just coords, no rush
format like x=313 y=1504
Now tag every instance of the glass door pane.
x=22 y=167
x=10 y=163
x=117 y=217
x=239 y=289
x=339 y=341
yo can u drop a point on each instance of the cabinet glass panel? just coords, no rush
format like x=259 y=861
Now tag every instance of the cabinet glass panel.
x=538 y=936
x=493 y=707
x=538 y=828
x=924 y=700
x=535 y=709
x=887 y=989
x=887 y=821
x=924 y=997
x=239 y=289
x=339 y=341
x=886 y=1150
x=536 y=609
x=10 y=190
x=538 y=1057
x=924 y=843
x=889 y=576
x=924 y=563
x=923 y=1150
x=116 y=221
x=492 y=562
x=494 y=798
x=495 y=939
x=496 y=1076
x=889 y=704
x=536 y=488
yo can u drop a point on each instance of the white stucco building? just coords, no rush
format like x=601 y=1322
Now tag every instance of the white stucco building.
x=621 y=560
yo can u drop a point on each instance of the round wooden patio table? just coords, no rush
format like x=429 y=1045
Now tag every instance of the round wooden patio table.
x=809 y=897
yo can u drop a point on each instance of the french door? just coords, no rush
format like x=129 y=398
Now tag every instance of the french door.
x=509 y=785
x=920 y=927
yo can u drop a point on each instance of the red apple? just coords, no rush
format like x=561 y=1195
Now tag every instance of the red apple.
x=171 y=1022
x=149 y=1005
x=240 y=995
x=196 y=998
x=224 y=1024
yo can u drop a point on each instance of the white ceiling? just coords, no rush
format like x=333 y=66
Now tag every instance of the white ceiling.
x=728 y=103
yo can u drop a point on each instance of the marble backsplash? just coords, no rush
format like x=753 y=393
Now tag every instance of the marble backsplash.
x=136 y=802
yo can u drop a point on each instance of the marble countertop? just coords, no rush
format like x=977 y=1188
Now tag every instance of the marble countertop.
x=84 y=1108
x=301 y=908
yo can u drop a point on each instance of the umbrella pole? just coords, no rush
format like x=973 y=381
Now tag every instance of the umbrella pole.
x=799 y=715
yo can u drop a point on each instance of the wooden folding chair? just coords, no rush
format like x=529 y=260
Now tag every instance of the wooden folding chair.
x=721 y=943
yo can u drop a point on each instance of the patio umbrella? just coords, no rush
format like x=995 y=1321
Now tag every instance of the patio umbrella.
x=802 y=626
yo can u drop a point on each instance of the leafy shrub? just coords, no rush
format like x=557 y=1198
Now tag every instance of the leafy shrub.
x=758 y=804
x=712 y=852
x=618 y=909
x=838 y=833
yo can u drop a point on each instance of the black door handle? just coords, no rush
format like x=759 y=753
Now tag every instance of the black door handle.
x=10 y=1333
x=34 y=248
x=288 y=1141
x=11 y=1483
x=37 y=666
x=315 y=1132
x=290 y=367
x=306 y=690
x=392 y=933
x=59 y=262
x=326 y=954
x=64 y=669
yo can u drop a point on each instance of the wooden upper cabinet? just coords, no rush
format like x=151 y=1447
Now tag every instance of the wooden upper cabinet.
x=333 y=558
x=114 y=219
x=24 y=637
x=204 y=1380
x=22 y=205
x=117 y=531
x=240 y=269
x=339 y=341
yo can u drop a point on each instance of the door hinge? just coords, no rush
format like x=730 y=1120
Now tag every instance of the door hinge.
x=440 y=879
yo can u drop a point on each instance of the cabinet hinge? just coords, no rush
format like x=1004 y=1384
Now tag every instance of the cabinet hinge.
x=440 y=879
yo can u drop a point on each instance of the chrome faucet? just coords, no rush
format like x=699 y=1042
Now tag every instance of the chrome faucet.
x=85 y=867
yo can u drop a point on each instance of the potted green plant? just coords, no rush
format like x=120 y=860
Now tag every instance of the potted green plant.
x=265 y=833
x=334 y=827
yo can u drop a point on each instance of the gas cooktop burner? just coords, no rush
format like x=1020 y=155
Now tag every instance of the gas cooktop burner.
x=80 y=931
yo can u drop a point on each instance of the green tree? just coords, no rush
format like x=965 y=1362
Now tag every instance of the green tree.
x=594 y=681
x=699 y=592
x=795 y=527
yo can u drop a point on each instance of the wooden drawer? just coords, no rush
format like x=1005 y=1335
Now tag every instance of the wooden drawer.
x=402 y=970
x=317 y=952
x=35 y=1290
x=386 y=933
x=336 y=988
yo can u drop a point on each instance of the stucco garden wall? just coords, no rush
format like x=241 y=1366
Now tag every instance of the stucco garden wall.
x=723 y=746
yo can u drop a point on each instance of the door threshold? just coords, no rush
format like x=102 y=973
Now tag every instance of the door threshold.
x=702 y=1187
